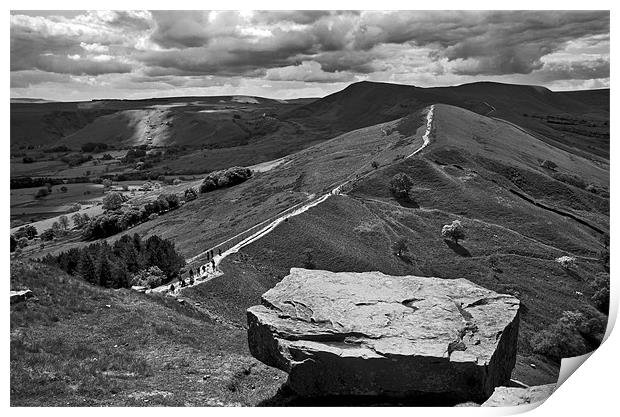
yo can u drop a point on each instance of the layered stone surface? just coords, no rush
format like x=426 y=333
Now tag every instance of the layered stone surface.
x=374 y=334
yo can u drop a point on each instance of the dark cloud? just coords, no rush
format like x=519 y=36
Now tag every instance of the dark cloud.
x=232 y=56
x=516 y=46
x=303 y=17
x=179 y=48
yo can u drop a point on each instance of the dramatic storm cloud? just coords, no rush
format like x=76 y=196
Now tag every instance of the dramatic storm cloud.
x=83 y=55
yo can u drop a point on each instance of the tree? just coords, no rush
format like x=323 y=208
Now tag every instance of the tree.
x=57 y=228
x=548 y=164
x=86 y=267
x=400 y=185
x=31 y=232
x=22 y=243
x=190 y=194
x=78 y=220
x=64 y=189
x=48 y=235
x=454 y=231
x=600 y=286
x=41 y=192
x=112 y=201
x=374 y=164
x=151 y=277
x=400 y=246
x=106 y=183
x=27 y=231
x=103 y=271
x=64 y=222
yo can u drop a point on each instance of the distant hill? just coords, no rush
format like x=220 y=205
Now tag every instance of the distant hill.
x=30 y=100
x=572 y=120
x=218 y=121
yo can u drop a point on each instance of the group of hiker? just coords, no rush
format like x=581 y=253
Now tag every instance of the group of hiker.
x=201 y=270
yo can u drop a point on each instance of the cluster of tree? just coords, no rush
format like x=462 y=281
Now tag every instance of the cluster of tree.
x=94 y=147
x=21 y=238
x=576 y=333
x=75 y=159
x=134 y=154
x=30 y=182
x=59 y=228
x=60 y=148
x=112 y=201
x=114 y=221
x=28 y=231
x=117 y=265
x=225 y=178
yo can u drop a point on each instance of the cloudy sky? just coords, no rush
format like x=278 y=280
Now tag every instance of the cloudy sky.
x=69 y=55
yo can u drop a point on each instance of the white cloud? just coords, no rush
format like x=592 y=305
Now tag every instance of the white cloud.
x=308 y=71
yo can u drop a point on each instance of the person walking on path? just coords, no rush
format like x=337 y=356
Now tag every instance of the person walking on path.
x=213 y=264
x=220 y=251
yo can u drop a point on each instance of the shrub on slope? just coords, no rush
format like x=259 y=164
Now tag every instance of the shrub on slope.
x=225 y=178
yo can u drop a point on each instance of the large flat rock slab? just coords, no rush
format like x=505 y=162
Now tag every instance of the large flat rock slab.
x=374 y=334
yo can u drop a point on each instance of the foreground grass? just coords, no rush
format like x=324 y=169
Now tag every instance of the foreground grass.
x=82 y=345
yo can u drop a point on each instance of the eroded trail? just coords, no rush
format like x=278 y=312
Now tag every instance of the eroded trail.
x=210 y=269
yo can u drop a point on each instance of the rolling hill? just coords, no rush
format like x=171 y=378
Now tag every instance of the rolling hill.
x=575 y=121
x=501 y=159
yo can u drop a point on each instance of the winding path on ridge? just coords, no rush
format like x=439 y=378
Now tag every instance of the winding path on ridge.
x=211 y=270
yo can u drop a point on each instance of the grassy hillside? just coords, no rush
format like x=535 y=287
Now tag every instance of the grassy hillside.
x=80 y=345
x=519 y=218
x=511 y=245
x=219 y=215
